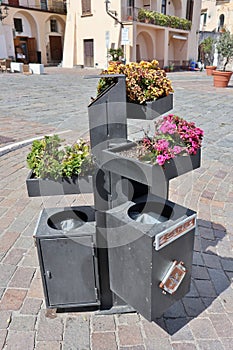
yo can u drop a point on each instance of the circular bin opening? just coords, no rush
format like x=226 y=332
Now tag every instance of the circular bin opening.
x=67 y=220
x=150 y=212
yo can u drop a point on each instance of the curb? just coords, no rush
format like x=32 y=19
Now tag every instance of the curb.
x=17 y=145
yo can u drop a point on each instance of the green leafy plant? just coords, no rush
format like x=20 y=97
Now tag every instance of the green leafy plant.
x=145 y=81
x=207 y=50
x=225 y=47
x=160 y=19
x=116 y=54
x=48 y=158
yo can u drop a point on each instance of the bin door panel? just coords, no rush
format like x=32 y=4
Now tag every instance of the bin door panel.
x=137 y=270
x=69 y=271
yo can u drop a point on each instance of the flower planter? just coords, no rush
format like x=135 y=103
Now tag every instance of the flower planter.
x=65 y=240
x=210 y=69
x=151 y=109
x=221 y=78
x=146 y=173
x=45 y=187
x=150 y=241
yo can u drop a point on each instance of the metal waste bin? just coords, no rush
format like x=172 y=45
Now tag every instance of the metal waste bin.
x=65 y=240
x=150 y=246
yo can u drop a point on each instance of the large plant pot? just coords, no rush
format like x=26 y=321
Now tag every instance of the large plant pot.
x=151 y=109
x=46 y=187
x=221 y=78
x=146 y=173
x=210 y=69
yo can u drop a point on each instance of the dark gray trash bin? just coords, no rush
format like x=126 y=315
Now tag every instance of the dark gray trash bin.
x=65 y=240
x=150 y=246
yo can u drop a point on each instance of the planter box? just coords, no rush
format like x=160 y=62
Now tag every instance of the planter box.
x=150 y=248
x=65 y=241
x=146 y=173
x=45 y=187
x=151 y=109
x=36 y=68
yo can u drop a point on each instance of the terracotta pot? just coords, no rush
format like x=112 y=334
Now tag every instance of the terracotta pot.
x=221 y=78
x=210 y=69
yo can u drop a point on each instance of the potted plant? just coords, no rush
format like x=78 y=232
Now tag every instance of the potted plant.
x=172 y=150
x=116 y=54
x=57 y=169
x=147 y=88
x=207 y=53
x=225 y=50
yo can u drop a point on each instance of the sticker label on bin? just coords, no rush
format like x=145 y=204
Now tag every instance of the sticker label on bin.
x=173 y=278
x=172 y=233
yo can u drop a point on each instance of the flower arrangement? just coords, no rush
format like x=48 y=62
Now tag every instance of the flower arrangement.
x=48 y=159
x=173 y=136
x=145 y=81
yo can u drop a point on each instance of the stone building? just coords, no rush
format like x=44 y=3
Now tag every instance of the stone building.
x=93 y=27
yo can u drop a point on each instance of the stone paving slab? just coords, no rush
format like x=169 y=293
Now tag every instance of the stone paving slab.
x=203 y=319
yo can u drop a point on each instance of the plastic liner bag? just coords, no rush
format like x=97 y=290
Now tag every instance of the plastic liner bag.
x=148 y=218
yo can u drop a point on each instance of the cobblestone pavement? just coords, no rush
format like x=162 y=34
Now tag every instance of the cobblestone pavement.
x=31 y=106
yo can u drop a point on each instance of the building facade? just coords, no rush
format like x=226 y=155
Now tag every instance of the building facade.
x=216 y=16
x=93 y=27
x=33 y=31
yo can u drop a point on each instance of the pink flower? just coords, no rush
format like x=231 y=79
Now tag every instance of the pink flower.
x=168 y=127
x=177 y=149
x=161 y=159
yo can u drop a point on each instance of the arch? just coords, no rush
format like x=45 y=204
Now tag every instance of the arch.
x=30 y=22
x=221 y=22
x=26 y=40
x=144 y=47
x=54 y=39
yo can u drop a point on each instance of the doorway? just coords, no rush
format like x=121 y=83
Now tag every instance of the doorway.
x=55 y=48
x=88 y=53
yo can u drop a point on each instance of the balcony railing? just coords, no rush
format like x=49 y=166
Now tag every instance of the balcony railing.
x=157 y=18
x=54 y=6
x=220 y=2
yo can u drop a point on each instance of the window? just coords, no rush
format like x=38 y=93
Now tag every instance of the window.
x=189 y=10
x=164 y=7
x=203 y=19
x=86 y=7
x=53 y=25
x=221 y=22
x=18 y=25
x=43 y=5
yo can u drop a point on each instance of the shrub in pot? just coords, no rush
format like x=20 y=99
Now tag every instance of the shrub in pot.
x=225 y=50
x=207 y=53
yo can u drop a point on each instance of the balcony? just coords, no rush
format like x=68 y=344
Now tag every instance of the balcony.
x=221 y=2
x=52 y=6
x=156 y=18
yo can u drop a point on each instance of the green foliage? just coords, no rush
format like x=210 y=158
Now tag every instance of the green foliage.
x=49 y=159
x=116 y=54
x=160 y=19
x=225 y=47
x=207 y=49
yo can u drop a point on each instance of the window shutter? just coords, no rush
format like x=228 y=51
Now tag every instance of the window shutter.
x=86 y=7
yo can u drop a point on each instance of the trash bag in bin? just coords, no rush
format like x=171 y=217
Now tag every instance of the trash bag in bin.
x=67 y=220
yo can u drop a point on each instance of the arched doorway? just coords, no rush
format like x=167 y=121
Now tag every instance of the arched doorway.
x=54 y=39
x=144 y=47
x=25 y=37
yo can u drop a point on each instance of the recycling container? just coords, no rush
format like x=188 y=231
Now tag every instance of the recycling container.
x=150 y=248
x=65 y=241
